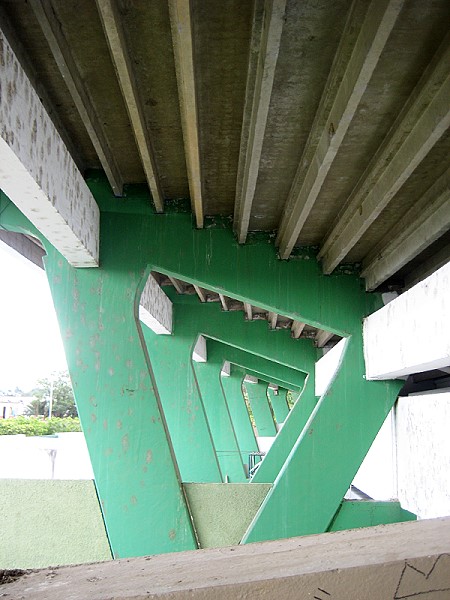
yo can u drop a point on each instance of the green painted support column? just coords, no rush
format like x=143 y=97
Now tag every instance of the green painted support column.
x=220 y=423
x=135 y=471
x=293 y=426
x=257 y=396
x=232 y=387
x=353 y=514
x=278 y=400
x=171 y=357
x=322 y=463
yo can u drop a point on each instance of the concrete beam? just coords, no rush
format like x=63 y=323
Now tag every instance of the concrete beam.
x=419 y=126
x=155 y=308
x=182 y=36
x=272 y=318
x=59 y=47
x=322 y=337
x=423 y=223
x=24 y=246
x=268 y=20
x=296 y=329
x=115 y=36
x=224 y=302
x=411 y=334
x=346 y=85
x=200 y=354
x=248 y=311
x=36 y=171
x=401 y=560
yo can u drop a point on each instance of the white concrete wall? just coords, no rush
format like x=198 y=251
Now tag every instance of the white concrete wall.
x=410 y=458
x=64 y=456
x=412 y=333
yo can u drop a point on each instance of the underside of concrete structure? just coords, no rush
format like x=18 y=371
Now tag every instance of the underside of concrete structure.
x=242 y=179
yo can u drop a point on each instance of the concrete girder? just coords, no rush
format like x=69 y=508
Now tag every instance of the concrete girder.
x=37 y=172
x=182 y=38
x=343 y=92
x=422 y=224
x=69 y=71
x=24 y=246
x=115 y=36
x=411 y=334
x=419 y=126
x=268 y=20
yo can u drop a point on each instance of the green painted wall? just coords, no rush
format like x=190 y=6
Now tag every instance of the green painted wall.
x=366 y=513
x=46 y=522
x=223 y=511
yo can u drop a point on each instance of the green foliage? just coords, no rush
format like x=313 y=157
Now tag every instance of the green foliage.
x=33 y=426
x=63 y=400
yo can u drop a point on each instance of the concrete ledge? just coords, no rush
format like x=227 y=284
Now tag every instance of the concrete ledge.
x=400 y=561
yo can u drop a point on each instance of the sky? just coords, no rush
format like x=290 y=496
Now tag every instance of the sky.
x=30 y=343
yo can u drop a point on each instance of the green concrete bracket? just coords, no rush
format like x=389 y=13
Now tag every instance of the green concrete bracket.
x=171 y=357
x=326 y=456
x=212 y=258
x=221 y=425
x=232 y=388
x=261 y=367
x=367 y=513
x=293 y=426
x=259 y=402
x=278 y=400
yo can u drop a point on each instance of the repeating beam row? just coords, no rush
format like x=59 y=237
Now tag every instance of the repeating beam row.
x=336 y=110
x=420 y=125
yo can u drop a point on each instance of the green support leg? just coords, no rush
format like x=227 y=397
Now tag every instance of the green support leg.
x=257 y=396
x=132 y=458
x=309 y=489
x=278 y=400
x=220 y=423
x=293 y=426
x=232 y=387
x=171 y=357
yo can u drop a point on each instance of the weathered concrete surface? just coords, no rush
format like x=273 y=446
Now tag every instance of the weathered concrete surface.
x=411 y=334
x=36 y=171
x=155 y=308
x=405 y=560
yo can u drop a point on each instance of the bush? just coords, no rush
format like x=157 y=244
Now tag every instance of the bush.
x=33 y=426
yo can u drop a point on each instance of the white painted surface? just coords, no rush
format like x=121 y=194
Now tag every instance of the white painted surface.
x=199 y=353
x=412 y=333
x=155 y=308
x=64 y=456
x=226 y=369
x=423 y=454
x=410 y=458
x=37 y=172
x=327 y=366
x=265 y=443
x=377 y=475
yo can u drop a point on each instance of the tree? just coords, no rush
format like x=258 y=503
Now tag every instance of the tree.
x=63 y=400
